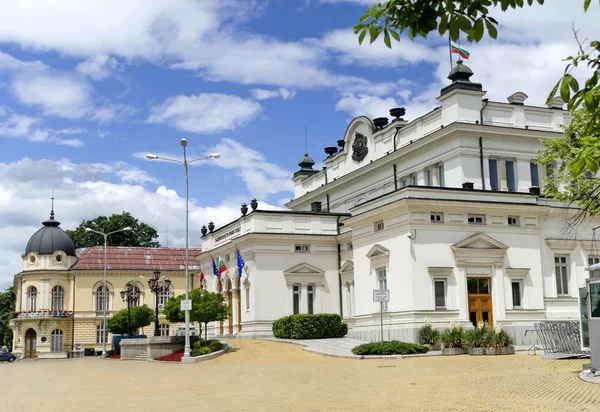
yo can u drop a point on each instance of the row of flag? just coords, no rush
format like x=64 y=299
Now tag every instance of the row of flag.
x=221 y=267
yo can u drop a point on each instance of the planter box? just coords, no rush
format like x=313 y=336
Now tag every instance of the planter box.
x=437 y=346
x=453 y=351
x=508 y=350
x=478 y=351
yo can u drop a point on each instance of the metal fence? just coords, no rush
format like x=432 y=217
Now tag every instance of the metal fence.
x=559 y=336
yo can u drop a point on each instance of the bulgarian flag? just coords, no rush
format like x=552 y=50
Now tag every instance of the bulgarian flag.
x=464 y=53
x=222 y=267
x=202 y=279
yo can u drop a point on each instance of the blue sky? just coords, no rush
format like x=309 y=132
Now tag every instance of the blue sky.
x=87 y=88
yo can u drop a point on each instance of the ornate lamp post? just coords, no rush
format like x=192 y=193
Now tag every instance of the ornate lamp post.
x=158 y=289
x=128 y=296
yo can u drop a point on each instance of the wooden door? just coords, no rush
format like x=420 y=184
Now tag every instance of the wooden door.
x=480 y=300
x=30 y=344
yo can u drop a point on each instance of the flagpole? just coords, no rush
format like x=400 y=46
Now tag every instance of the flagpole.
x=450 y=49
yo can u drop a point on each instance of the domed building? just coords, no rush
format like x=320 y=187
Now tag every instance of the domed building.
x=61 y=296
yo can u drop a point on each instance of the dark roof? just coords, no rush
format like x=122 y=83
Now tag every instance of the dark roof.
x=132 y=258
x=50 y=239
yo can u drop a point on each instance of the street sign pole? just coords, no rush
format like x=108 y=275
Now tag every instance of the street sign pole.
x=381 y=307
x=381 y=295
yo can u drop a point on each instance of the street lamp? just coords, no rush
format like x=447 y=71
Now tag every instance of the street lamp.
x=128 y=296
x=104 y=289
x=158 y=289
x=185 y=163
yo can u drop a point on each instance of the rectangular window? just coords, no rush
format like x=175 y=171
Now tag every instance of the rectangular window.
x=99 y=334
x=315 y=207
x=535 y=177
x=441 y=178
x=516 y=294
x=440 y=293
x=415 y=180
x=561 y=270
x=382 y=279
x=594 y=274
x=296 y=293
x=310 y=297
x=510 y=175
x=493 y=164
x=476 y=219
x=379 y=226
x=302 y=248
x=436 y=217
x=164 y=329
x=513 y=221
x=429 y=177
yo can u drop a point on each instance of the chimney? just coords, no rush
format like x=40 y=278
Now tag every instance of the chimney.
x=556 y=103
x=517 y=98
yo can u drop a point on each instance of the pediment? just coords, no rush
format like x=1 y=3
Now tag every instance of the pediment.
x=479 y=241
x=304 y=273
x=378 y=251
x=348 y=266
x=303 y=268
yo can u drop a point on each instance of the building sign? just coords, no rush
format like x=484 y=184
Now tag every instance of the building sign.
x=228 y=234
x=381 y=295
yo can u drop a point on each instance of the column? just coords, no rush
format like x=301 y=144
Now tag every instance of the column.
x=434 y=176
x=502 y=173
x=234 y=309
x=461 y=286
x=303 y=300
x=351 y=286
x=317 y=297
x=498 y=291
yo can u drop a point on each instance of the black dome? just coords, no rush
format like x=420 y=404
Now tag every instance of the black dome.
x=50 y=238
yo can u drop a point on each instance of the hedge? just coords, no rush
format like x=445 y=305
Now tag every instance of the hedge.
x=320 y=326
x=203 y=347
x=393 y=347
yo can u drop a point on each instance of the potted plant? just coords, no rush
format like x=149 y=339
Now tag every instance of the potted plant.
x=477 y=339
x=500 y=342
x=452 y=339
x=429 y=336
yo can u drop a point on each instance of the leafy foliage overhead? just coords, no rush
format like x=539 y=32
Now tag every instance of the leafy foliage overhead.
x=141 y=316
x=7 y=306
x=140 y=234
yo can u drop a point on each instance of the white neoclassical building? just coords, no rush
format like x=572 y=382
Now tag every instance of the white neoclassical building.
x=444 y=211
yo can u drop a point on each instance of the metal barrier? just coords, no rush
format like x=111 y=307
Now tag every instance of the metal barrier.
x=559 y=336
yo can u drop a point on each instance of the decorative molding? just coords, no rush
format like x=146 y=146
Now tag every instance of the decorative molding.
x=304 y=273
x=348 y=266
x=440 y=272
x=517 y=273
x=479 y=241
x=479 y=249
x=378 y=251
x=562 y=246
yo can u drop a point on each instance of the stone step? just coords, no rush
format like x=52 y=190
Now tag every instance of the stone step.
x=140 y=356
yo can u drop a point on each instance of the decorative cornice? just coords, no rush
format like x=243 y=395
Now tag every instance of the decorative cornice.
x=378 y=252
x=517 y=273
x=440 y=272
x=565 y=246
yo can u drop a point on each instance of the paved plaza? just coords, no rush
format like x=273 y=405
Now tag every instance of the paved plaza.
x=271 y=376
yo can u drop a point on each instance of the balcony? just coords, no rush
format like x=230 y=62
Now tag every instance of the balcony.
x=43 y=314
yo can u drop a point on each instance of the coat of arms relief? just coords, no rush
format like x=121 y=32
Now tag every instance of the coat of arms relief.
x=359 y=147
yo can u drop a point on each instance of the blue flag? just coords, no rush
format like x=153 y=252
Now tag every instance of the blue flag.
x=240 y=263
x=215 y=270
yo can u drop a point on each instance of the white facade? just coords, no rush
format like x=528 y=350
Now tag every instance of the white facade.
x=436 y=209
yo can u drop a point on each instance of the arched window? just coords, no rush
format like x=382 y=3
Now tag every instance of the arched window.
x=57 y=341
x=163 y=296
x=32 y=299
x=58 y=299
x=99 y=337
x=136 y=296
x=101 y=298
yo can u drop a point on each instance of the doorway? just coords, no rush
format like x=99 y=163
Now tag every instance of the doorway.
x=30 y=343
x=479 y=290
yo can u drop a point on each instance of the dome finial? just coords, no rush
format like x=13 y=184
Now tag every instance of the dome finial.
x=52 y=209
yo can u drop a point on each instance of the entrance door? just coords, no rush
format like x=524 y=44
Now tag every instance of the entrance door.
x=30 y=343
x=229 y=302
x=480 y=300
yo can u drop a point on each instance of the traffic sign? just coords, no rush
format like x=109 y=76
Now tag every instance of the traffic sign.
x=381 y=295
x=186 y=304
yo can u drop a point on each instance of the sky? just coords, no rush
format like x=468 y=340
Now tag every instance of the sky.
x=88 y=88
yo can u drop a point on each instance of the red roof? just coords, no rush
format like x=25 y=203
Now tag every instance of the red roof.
x=136 y=258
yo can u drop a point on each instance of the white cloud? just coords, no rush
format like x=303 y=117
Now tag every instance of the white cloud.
x=70 y=142
x=57 y=95
x=8 y=62
x=106 y=113
x=205 y=112
x=262 y=94
x=84 y=191
x=99 y=67
x=361 y=104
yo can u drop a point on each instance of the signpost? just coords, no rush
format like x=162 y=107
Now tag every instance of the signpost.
x=381 y=295
x=186 y=304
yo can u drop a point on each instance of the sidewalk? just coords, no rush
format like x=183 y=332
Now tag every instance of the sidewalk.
x=341 y=348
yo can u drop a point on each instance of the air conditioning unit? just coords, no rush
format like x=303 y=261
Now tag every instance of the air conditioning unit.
x=161 y=306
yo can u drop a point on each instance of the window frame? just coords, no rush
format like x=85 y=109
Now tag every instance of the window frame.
x=296 y=290
x=516 y=223
x=32 y=294
x=57 y=341
x=441 y=178
x=302 y=248
x=57 y=299
x=512 y=292
x=445 y=285
x=563 y=290
x=102 y=298
x=382 y=280
x=534 y=167
x=592 y=260
x=310 y=298
x=164 y=329
x=379 y=226
x=441 y=216
x=99 y=333
x=475 y=216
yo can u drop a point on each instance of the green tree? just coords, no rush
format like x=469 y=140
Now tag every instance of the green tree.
x=7 y=306
x=558 y=154
x=206 y=307
x=140 y=234
x=472 y=17
x=141 y=316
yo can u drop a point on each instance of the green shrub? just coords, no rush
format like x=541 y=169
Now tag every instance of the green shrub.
x=205 y=350
x=453 y=337
x=499 y=338
x=393 y=347
x=428 y=335
x=113 y=352
x=320 y=326
x=479 y=337
x=213 y=345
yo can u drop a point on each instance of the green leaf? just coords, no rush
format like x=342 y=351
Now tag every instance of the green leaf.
x=454 y=30
x=478 y=30
x=362 y=35
x=374 y=32
x=493 y=32
x=553 y=92
x=586 y=4
x=443 y=27
x=412 y=32
x=395 y=35
x=464 y=23
x=565 y=93
x=572 y=82
x=364 y=18
x=386 y=39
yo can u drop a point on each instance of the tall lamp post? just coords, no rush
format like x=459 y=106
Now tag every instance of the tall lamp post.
x=104 y=289
x=158 y=289
x=185 y=162
x=128 y=296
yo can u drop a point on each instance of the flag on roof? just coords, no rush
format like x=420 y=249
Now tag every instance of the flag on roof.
x=464 y=53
